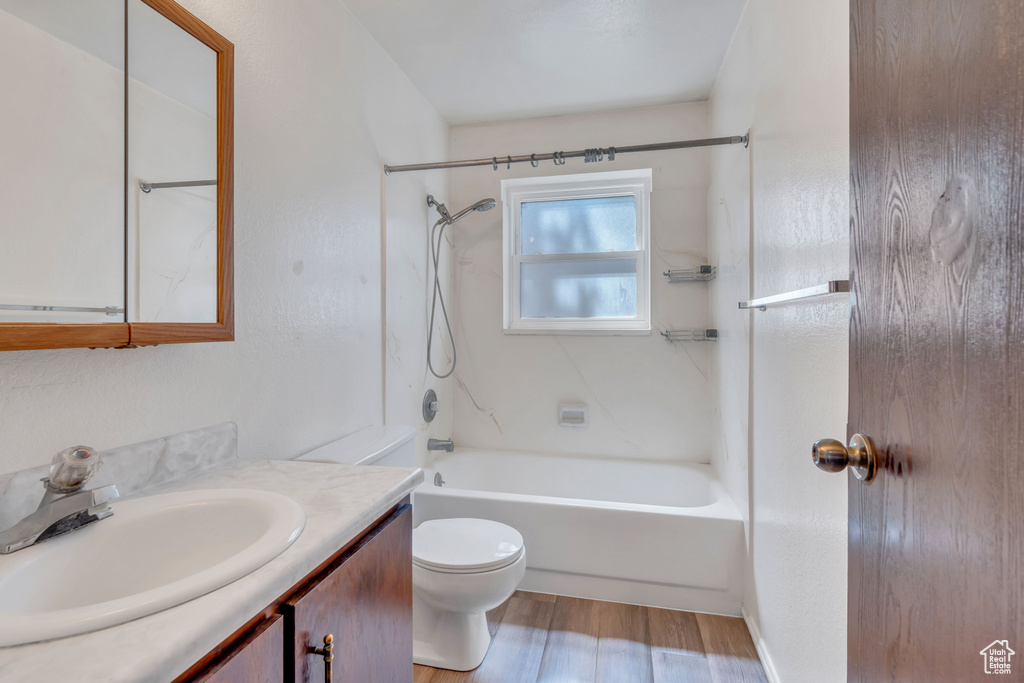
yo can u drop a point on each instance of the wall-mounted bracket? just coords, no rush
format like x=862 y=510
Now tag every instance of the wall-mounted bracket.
x=699 y=274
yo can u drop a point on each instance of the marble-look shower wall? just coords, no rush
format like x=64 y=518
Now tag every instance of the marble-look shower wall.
x=647 y=398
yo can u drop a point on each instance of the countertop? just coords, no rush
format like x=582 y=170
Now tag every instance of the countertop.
x=340 y=501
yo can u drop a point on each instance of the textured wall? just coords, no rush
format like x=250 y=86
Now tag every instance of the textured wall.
x=318 y=105
x=647 y=398
x=786 y=78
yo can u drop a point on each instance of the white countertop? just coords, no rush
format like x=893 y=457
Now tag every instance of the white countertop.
x=340 y=501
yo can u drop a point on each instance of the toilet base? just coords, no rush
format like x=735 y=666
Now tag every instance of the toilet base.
x=448 y=640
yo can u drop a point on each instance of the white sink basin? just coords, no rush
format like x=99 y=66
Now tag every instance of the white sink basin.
x=153 y=553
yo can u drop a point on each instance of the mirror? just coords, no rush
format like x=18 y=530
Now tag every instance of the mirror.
x=62 y=170
x=116 y=203
x=172 y=172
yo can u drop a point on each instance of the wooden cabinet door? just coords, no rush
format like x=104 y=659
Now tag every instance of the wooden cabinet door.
x=365 y=601
x=257 y=658
x=936 y=574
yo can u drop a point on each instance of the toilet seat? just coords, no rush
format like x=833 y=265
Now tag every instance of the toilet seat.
x=465 y=545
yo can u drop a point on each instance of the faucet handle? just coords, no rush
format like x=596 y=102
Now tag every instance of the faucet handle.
x=71 y=469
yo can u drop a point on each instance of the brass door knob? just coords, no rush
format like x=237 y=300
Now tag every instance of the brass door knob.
x=832 y=456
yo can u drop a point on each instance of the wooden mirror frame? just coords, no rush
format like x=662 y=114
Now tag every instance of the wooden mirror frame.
x=28 y=336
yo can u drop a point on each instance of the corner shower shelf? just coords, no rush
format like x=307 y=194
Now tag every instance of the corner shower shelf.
x=830 y=287
x=698 y=274
x=690 y=335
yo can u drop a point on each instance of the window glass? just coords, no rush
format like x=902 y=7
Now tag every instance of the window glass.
x=578 y=289
x=576 y=253
x=578 y=226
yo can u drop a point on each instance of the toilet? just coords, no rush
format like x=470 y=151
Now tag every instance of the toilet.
x=460 y=567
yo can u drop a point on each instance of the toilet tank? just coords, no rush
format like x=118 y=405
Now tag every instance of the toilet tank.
x=389 y=445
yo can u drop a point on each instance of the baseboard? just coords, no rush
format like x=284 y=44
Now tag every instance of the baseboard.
x=687 y=598
x=762 y=648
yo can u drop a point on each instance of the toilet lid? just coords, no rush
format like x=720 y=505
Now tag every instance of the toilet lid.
x=465 y=545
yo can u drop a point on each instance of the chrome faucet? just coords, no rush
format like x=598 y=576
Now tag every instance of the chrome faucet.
x=65 y=506
x=445 y=445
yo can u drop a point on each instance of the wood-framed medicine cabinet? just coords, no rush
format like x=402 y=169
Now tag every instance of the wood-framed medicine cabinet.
x=116 y=185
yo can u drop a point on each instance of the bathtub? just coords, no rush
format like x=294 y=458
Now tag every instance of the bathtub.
x=641 y=532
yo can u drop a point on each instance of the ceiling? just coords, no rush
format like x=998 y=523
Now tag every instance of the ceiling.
x=490 y=60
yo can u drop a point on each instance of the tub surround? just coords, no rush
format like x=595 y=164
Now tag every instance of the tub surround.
x=340 y=501
x=647 y=398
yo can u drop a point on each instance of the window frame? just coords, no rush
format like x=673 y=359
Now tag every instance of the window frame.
x=636 y=183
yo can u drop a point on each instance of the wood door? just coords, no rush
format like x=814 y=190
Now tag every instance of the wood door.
x=936 y=566
x=256 y=658
x=365 y=601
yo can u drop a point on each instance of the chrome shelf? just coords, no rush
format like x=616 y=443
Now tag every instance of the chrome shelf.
x=690 y=335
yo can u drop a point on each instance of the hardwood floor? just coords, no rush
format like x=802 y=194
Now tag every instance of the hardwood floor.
x=553 y=639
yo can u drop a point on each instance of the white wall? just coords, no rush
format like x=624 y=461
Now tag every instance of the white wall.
x=785 y=78
x=318 y=104
x=648 y=398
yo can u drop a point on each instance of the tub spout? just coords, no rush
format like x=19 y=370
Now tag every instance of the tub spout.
x=445 y=445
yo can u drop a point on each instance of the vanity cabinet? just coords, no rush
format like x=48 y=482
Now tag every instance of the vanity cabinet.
x=362 y=596
x=365 y=602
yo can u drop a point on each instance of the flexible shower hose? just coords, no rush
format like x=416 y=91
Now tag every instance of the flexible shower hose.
x=435 y=255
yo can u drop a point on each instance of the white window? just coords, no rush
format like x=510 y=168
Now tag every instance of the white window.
x=577 y=253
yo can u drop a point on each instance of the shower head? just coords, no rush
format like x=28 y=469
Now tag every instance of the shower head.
x=482 y=205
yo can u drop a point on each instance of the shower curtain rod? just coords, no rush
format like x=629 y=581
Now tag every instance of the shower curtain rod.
x=591 y=154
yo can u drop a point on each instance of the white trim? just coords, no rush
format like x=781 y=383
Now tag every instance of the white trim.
x=559 y=184
x=579 y=256
x=627 y=591
x=762 y=648
x=636 y=183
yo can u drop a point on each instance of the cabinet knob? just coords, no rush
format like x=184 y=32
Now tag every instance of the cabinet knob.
x=327 y=652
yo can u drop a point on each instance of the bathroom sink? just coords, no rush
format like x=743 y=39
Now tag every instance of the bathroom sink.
x=154 y=553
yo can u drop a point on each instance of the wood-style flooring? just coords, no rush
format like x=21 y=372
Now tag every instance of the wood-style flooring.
x=555 y=639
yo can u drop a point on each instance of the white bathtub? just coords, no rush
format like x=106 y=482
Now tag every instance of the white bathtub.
x=651 y=533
